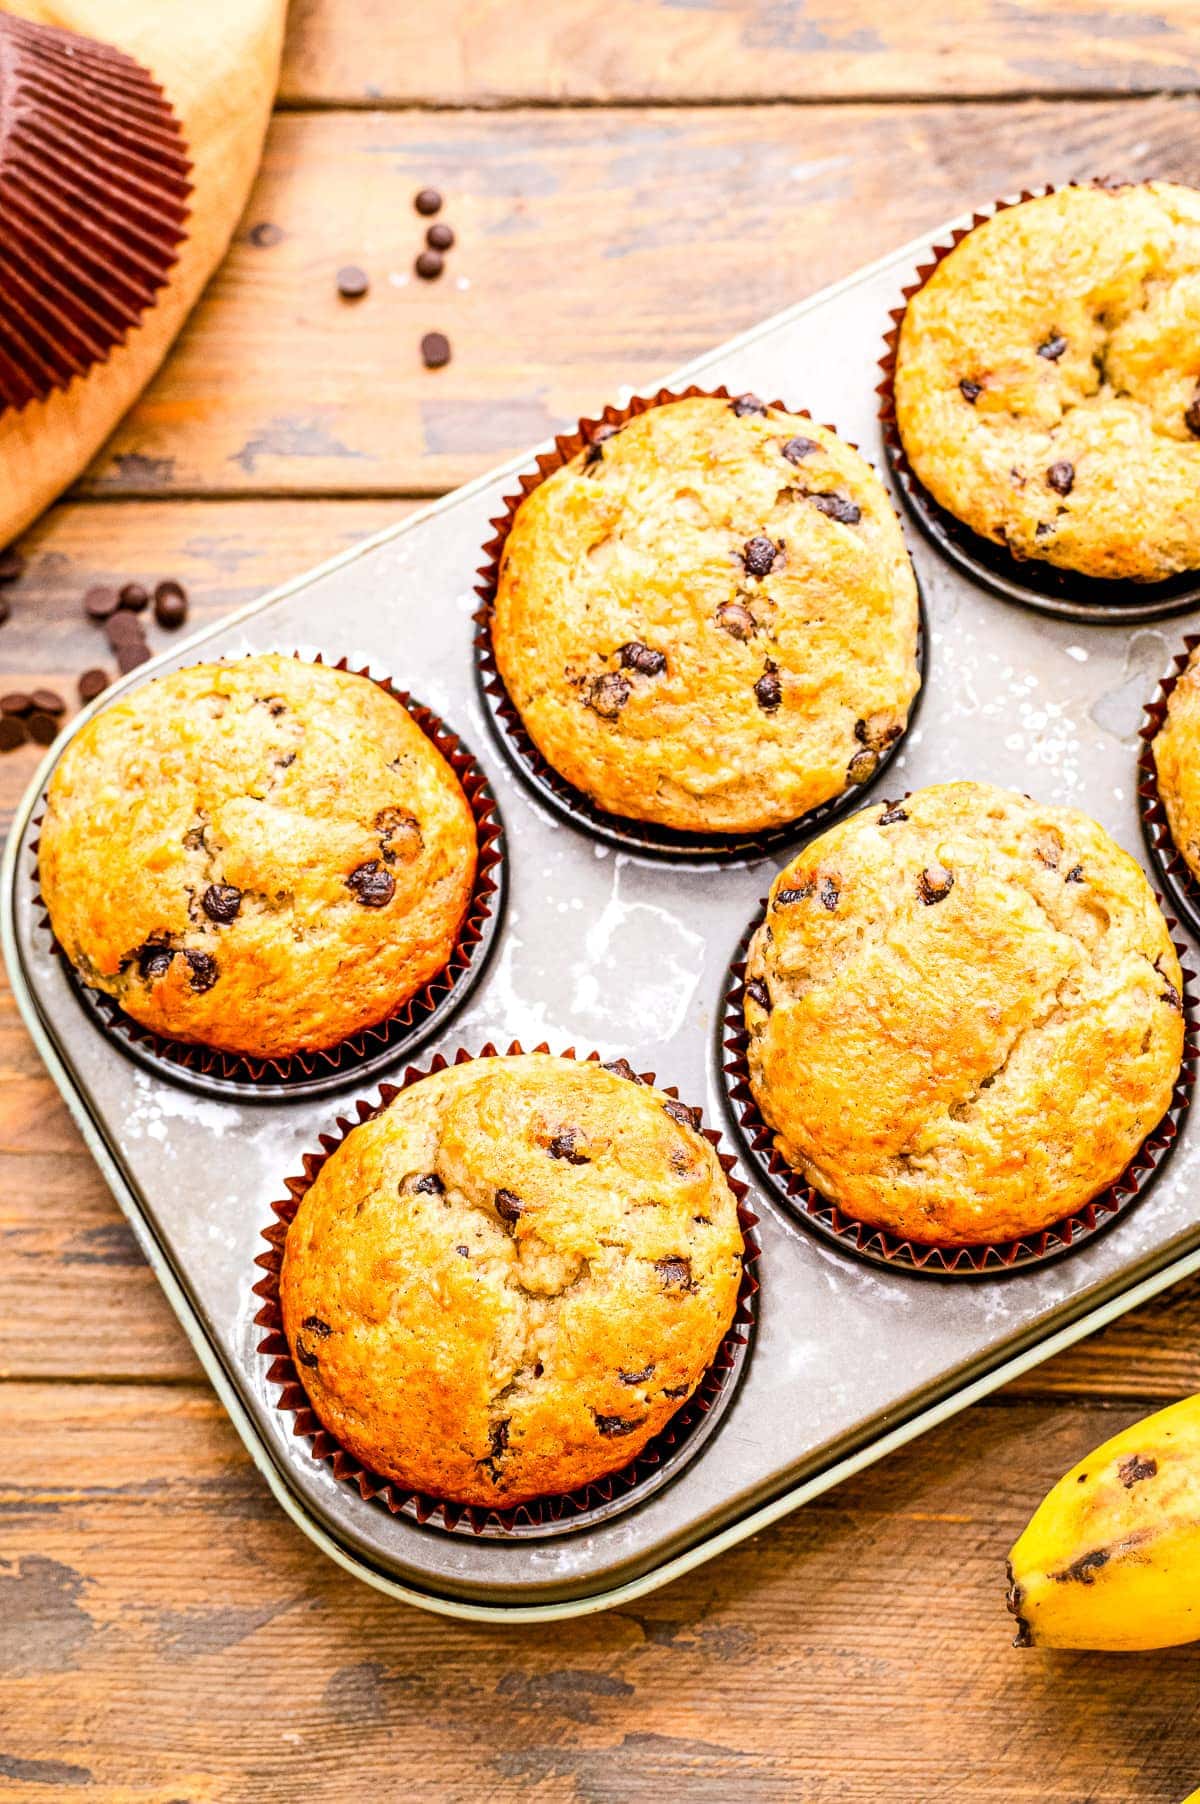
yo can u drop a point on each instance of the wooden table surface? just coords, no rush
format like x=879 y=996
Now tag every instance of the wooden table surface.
x=631 y=181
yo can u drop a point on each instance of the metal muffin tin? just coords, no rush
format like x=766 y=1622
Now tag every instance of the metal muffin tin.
x=630 y=955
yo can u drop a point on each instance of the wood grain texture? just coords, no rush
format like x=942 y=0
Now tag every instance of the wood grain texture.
x=165 y=1633
x=496 y=52
x=599 y=249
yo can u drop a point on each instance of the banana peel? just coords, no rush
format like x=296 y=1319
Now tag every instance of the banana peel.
x=1111 y=1559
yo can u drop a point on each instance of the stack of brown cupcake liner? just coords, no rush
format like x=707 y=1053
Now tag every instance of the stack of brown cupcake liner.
x=659 y=1461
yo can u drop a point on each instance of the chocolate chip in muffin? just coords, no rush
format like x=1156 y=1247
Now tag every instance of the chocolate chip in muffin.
x=747 y=404
x=758 y=555
x=1053 y=348
x=607 y=695
x=153 y=959
x=679 y=1111
x=305 y=1355
x=890 y=816
x=675 y=1272
x=508 y=1206
x=1043 y=529
x=934 y=884
x=636 y=1377
x=497 y=1444
x=642 y=658
x=1170 y=994
x=221 y=902
x=566 y=1146
x=758 y=991
x=203 y=971
x=399 y=834
x=464 y=1252
x=595 y=450
x=862 y=766
x=799 y=448
x=971 y=391
x=1191 y=414
x=838 y=507
x=1074 y=875
x=829 y=894
x=736 y=620
x=425 y=1183
x=1061 y=477
x=768 y=691
x=312 y=1324
x=372 y=883
x=786 y=897
x=622 y=1068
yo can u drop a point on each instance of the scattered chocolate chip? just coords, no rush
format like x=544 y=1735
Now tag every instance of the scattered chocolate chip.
x=508 y=1206
x=202 y=970
x=1135 y=1470
x=49 y=701
x=758 y=991
x=890 y=816
x=934 y=884
x=124 y=627
x=312 y=1324
x=622 y=1068
x=607 y=695
x=971 y=391
x=1074 y=875
x=838 y=507
x=636 y=1377
x=428 y=1184
x=1061 y=477
x=129 y=654
x=464 y=1252
x=170 y=604
x=12 y=565
x=612 y=1425
x=428 y=201
x=563 y=1146
x=595 y=450
x=862 y=766
x=12 y=732
x=135 y=597
x=747 y=404
x=440 y=237
x=736 y=620
x=429 y=265
x=639 y=657
x=1053 y=348
x=305 y=1354
x=265 y=234
x=153 y=960
x=352 y=282
x=372 y=883
x=679 y=1111
x=1191 y=416
x=785 y=897
x=221 y=902
x=829 y=894
x=41 y=727
x=435 y=350
x=799 y=448
x=100 y=602
x=768 y=691
x=17 y=702
x=675 y=1272
x=758 y=555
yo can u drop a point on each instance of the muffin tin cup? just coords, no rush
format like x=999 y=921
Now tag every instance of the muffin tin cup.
x=683 y=1438
x=1172 y=869
x=306 y=1074
x=877 y=1246
x=1031 y=582
x=572 y=804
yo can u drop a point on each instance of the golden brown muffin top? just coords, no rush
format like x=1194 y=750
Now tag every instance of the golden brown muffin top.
x=506 y=1283
x=1048 y=380
x=708 y=619
x=1177 y=762
x=965 y=1013
x=263 y=856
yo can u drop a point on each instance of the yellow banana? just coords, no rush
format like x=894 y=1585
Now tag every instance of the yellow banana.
x=1111 y=1559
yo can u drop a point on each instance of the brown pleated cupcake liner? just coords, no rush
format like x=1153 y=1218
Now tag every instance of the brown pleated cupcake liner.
x=307 y=1074
x=1172 y=869
x=675 y=1446
x=1031 y=581
x=94 y=183
x=878 y=1246
x=623 y=832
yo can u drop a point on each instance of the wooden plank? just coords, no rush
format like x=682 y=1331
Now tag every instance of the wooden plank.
x=166 y=1633
x=225 y=552
x=596 y=248
x=497 y=52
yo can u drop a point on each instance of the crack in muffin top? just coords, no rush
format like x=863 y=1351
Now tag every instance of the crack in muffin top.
x=1047 y=382
x=507 y=1282
x=964 y=1014
x=264 y=856
x=707 y=619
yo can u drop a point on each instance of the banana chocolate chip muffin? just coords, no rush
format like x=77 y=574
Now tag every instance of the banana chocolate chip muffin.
x=964 y=1014
x=1177 y=763
x=507 y=1282
x=264 y=856
x=1047 y=382
x=707 y=619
